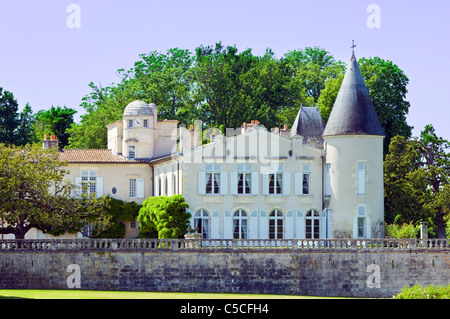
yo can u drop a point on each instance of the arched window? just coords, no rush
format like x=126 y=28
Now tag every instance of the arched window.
x=276 y=228
x=201 y=220
x=240 y=224
x=312 y=224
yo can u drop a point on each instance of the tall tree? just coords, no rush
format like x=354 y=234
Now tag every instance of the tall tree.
x=417 y=180
x=9 y=117
x=312 y=67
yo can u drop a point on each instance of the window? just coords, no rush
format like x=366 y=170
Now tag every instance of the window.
x=131 y=152
x=312 y=224
x=134 y=224
x=201 y=223
x=276 y=224
x=145 y=123
x=306 y=177
x=244 y=183
x=130 y=123
x=361 y=178
x=276 y=183
x=89 y=182
x=132 y=187
x=361 y=222
x=240 y=224
x=212 y=182
x=212 y=179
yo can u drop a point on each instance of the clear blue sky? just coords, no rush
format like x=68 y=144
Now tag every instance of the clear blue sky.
x=44 y=62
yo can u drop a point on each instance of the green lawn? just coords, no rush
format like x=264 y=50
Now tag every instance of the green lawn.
x=90 y=294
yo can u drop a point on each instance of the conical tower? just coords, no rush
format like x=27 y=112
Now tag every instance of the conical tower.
x=353 y=143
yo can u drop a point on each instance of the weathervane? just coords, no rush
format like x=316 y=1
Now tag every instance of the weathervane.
x=353 y=45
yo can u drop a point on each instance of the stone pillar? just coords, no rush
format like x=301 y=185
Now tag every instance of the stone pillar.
x=423 y=230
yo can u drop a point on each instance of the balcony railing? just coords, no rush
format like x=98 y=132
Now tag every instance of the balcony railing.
x=221 y=244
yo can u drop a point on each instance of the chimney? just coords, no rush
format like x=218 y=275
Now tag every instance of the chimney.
x=52 y=142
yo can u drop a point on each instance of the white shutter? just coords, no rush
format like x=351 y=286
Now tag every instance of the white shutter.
x=300 y=224
x=298 y=183
x=227 y=225
x=286 y=183
x=355 y=227
x=78 y=189
x=323 y=224
x=215 y=224
x=201 y=183
x=263 y=225
x=253 y=232
x=156 y=185
x=368 y=228
x=234 y=183
x=99 y=186
x=361 y=178
x=255 y=183
x=169 y=185
x=265 y=179
x=328 y=180
x=223 y=183
x=140 y=188
x=289 y=224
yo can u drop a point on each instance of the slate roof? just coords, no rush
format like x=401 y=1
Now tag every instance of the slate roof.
x=95 y=156
x=310 y=125
x=353 y=112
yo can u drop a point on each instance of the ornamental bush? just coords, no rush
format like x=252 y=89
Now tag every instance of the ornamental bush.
x=429 y=292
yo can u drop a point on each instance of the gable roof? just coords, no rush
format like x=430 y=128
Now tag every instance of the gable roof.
x=353 y=112
x=95 y=156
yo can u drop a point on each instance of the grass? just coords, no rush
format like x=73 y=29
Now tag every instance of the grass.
x=91 y=294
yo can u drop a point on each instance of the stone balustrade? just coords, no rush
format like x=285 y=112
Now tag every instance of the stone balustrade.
x=220 y=244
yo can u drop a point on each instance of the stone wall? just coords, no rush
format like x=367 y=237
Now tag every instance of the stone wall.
x=365 y=268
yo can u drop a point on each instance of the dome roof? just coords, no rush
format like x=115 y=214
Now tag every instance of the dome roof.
x=139 y=107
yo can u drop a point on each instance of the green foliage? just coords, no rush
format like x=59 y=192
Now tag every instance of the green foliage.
x=416 y=179
x=402 y=231
x=166 y=215
x=35 y=193
x=428 y=292
x=55 y=121
x=119 y=211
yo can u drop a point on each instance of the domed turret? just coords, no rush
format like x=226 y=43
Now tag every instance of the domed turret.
x=139 y=124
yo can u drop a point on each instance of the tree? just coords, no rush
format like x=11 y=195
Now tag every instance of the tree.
x=312 y=67
x=9 y=117
x=36 y=194
x=417 y=180
x=55 y=121
x=25 y=133
x=120 y=211
x=167 y=215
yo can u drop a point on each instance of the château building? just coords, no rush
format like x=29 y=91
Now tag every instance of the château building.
x=310 y=181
